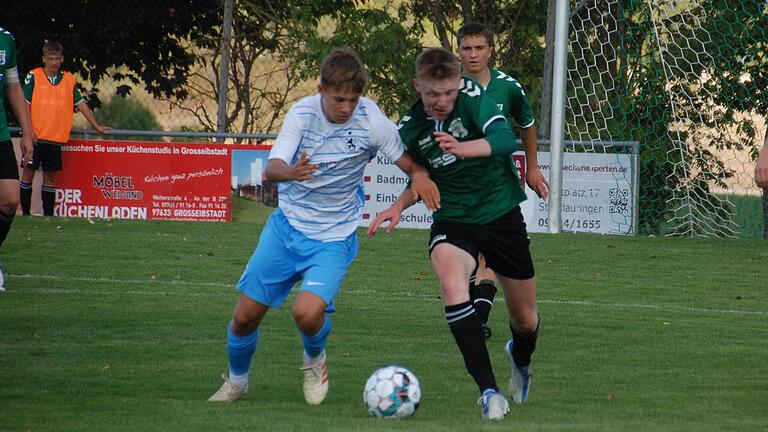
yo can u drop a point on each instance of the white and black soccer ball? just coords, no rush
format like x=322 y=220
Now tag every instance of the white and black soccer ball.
x=392 y=392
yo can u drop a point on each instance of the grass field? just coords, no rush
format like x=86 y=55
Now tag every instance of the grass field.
x=120 y=325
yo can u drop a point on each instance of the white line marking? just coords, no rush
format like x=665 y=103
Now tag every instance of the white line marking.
x=400 y=295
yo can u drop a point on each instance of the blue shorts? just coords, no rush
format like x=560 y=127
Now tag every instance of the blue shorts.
x=284 y=256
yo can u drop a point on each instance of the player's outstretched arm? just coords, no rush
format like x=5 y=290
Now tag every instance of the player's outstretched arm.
x=465 y=149
x=533 y=176
x=499 y=140
x=277 y=170
x=392 y=214
x=88 y=114
x=422 y=187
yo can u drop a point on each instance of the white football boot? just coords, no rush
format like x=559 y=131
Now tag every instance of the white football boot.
x=495 y=406
x=315 y=381
x=228 y=392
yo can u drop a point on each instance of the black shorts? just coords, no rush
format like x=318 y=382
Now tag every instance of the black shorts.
x=504 y=242
x=46 y=157
x=8 y=168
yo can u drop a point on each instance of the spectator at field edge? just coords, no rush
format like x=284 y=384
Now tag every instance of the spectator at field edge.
x=51 y=94
x=462 y=137
x=9 y=173
x=318 y=160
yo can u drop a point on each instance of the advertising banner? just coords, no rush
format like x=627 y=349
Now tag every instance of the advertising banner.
x=196 y=182
x=597 y=194
x=144 y=180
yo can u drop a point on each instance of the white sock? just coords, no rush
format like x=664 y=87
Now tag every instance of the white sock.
x=239 y=380
x=312 y=360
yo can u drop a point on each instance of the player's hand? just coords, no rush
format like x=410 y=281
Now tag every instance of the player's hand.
x=537 y=181
x=425 y=189
x=391 y=215
x=449 y=144
x=102 y=129
x=303 y=170
x=28 y=142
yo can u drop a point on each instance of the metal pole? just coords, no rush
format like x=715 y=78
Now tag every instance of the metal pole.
x=226 y=36
x=545 y=123
x=557 y=129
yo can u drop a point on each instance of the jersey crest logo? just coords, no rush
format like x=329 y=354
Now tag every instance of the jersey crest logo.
x=351 y=145
x=2 y=57
x=457 y=128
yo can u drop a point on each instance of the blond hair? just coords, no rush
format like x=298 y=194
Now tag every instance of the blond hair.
x=437 y=64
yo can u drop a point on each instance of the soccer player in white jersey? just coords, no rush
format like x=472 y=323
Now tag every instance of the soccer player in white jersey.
x=318 y=160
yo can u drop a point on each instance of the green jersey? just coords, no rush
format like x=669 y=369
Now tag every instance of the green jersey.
x=472 y=190
x=511 y=99
x=7 y=62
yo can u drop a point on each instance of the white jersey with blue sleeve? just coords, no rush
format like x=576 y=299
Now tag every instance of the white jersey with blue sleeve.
x=327 y=207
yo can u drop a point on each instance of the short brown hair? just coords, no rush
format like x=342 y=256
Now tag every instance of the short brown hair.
x=475 y=29
x=52 y=47
x=437 y=64
x=342 y=69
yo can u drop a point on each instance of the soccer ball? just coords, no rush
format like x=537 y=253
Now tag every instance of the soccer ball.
x=392 y=392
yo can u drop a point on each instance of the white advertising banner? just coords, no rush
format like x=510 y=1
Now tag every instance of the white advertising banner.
x=383 y=184
x=597 y=194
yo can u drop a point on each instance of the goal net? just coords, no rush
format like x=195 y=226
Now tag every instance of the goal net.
x=688 y=81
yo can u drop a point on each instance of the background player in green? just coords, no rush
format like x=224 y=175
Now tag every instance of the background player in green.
x=476 y=46
x=460 y=135
x=9 y=173
x=51 y=93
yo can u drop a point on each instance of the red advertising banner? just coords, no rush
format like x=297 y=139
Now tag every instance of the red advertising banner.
x=145 y=180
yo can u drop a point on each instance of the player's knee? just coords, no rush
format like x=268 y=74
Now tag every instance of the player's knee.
x=307 y=321
x=455 y=291
x=9 y=198
x=527 y=322
x=8 y=205
x=243 y=323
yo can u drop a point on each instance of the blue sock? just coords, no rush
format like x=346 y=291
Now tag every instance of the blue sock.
x=240 y=350
x=314 y=345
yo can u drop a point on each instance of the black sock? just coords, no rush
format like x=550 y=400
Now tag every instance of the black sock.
x=48 y=194
x=524 y=344
x=482 y=296
x=469 y=336
x=25 y=192
x=5 y=225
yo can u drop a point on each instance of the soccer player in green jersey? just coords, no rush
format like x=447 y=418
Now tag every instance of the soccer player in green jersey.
x=464 y=140
x=476 y=46
x=9 y=173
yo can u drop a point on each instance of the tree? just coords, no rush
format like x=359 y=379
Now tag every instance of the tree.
x=129 y=114
x=144 y=40
x=519 y=27
x=383 y=39
x=261 y=82
x=688 y=99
